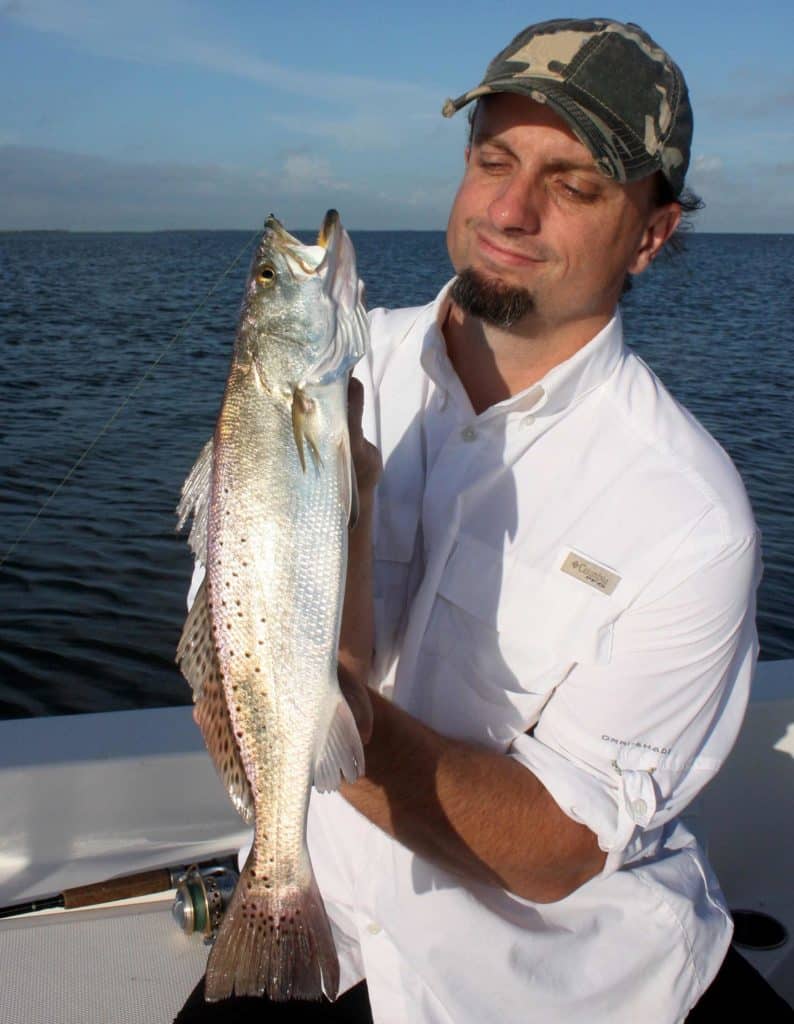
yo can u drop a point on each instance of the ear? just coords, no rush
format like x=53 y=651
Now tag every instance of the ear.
x=662 y=222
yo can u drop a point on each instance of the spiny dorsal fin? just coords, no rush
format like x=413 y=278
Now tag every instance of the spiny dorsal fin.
x=195 y=500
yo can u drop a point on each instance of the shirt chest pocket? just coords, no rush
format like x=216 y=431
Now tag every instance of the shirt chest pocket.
x=513 y=627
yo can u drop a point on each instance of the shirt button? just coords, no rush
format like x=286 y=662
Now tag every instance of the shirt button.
x=468 y=434
x=527 y=420
x=640 y=808
x=374 y=929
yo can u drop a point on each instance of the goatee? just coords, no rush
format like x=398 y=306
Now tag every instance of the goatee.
x=494 y=302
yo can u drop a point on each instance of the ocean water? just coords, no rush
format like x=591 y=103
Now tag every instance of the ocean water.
x=92 y=598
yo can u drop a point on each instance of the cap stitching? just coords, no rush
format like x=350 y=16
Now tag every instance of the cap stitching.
x=627 y=128
x=617 y=117
x=630 y=160
x=674 y=107
x=588 y=50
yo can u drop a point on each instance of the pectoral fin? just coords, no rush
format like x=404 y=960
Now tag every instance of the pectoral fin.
x=347 y=480
x=304 y=428
x=342 y=755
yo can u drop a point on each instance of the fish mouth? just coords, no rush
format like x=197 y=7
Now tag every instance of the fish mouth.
x=279 y=236
x=311 y=259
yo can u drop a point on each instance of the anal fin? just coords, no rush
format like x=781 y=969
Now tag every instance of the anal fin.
x=198 y=662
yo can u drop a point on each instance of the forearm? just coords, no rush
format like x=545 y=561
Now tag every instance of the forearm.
x=474 y=812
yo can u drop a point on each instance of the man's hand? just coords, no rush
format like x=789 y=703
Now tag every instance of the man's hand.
x=357 y=635
x=366 y=457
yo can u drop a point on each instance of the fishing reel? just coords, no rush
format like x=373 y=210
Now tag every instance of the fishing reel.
x=202 y=896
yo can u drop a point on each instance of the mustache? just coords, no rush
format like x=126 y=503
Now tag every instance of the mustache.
x=512 y=241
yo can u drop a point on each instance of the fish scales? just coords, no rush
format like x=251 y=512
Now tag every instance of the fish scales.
x=273 y=582
x=271 y=497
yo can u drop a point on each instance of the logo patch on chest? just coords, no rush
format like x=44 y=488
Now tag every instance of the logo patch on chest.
x=587 y=571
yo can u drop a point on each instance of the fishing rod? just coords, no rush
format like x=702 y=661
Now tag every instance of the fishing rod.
x=203 y=892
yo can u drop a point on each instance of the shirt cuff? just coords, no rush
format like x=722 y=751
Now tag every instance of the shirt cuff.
x=618 y=810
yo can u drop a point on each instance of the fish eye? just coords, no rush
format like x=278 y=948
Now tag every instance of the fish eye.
x=267 y=274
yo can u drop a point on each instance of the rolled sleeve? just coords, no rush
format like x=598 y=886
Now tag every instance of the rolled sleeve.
x=624 y=747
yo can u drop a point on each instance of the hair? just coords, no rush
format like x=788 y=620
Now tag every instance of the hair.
x=663 y=195
x=689 y=202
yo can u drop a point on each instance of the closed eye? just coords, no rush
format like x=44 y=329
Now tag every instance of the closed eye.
x=577 y=193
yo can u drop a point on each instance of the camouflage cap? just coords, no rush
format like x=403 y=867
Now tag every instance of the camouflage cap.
x=622 y=95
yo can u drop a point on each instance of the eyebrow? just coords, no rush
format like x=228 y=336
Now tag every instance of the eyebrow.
x=576 y=165
x=560 y=164
x=482 y=138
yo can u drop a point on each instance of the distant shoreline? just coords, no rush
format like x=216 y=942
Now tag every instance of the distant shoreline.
x=313 y=231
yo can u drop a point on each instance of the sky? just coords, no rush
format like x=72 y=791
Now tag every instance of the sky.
x=165 y=114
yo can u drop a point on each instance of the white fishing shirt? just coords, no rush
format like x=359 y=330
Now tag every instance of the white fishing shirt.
x=567 y=578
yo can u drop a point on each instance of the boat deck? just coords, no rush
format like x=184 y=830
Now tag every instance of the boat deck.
x=89 y=797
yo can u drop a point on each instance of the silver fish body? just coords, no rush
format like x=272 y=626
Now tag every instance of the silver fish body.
x=271 y=497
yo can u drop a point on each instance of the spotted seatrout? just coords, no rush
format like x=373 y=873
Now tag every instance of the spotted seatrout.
x=271 y=496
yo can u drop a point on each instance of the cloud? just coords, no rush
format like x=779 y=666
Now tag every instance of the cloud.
x=302 y=172
x=166 y=32
x=774 y=99
x=49 y=189
x=704 y=165
x=742 y=197
x=359 y=131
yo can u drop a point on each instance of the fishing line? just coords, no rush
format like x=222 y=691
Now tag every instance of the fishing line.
x=124 y=403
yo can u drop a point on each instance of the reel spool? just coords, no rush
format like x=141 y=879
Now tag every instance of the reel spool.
x=202 y=896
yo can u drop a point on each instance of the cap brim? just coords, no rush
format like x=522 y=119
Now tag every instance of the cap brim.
x=628 y=164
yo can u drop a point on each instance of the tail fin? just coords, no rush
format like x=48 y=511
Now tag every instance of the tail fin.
x=273 y=941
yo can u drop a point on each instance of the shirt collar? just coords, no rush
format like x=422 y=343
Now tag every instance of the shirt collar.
x=564 y=385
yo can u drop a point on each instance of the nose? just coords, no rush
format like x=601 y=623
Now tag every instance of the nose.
x=516 y=206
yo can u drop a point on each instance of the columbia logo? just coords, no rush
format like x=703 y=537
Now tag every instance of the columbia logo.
x=594 y=575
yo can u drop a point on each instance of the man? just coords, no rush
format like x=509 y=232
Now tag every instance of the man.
x=563 y=573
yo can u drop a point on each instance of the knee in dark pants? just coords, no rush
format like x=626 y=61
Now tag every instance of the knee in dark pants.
x=740 y=989
x=350 y=1008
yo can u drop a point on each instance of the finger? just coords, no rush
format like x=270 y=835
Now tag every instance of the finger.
x=355 y=405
